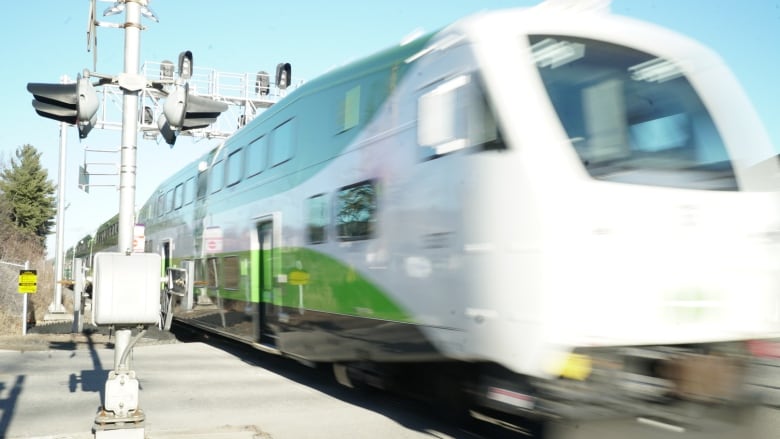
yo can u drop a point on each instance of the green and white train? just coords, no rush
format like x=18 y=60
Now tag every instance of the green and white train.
x=577 y=212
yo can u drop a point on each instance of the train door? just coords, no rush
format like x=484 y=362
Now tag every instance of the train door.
x=267 y=300
x=165 y=250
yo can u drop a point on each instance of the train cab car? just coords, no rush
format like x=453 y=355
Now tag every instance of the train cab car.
x=576 y=211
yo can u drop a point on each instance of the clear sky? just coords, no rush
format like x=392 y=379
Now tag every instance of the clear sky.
x=45 y=39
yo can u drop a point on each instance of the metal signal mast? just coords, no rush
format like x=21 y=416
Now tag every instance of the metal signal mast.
x=126 y=285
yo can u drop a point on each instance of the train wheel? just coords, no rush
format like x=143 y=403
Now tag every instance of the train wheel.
x=340 y=372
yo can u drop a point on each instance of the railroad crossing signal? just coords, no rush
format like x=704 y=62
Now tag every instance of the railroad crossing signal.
x=185 y=65
x=283 y=75
x=28 y=281
x=183 y=111
x=75 y=103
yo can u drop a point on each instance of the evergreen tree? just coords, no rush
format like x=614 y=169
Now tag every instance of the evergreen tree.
x=28 y=194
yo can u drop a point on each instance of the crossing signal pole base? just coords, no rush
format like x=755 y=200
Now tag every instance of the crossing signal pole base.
x=110 y=426
x=120 y=417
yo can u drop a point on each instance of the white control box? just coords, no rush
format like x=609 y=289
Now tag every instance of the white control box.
x=126 y=288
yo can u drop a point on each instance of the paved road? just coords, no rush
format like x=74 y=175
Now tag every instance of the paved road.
x=194 y=390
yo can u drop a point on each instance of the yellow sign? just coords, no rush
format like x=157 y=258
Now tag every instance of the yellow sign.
x=28 y=281
x=298 y=277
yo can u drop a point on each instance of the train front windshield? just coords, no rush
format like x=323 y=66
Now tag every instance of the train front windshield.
x=632 y=117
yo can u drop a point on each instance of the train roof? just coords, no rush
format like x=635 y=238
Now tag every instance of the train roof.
x=589 y=18
x=388 y=56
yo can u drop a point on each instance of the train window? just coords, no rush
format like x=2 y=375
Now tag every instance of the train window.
x=256 y=156
x=189 y=190
x=631 y=117
x=351 y=110
x=143 y=213
x=231 y=274
x=282 y=143
x=217 y=177
x=202 y=183
x=455 y=115
x=212 y=278
x=169 y=201
x=317 y=219
x=160 y=205
x=178 y=196
x=234 y=167
x=356 y=211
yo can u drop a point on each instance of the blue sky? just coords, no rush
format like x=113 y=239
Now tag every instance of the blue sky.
x=45 y=39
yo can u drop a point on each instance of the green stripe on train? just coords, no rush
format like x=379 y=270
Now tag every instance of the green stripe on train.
x=313 y=279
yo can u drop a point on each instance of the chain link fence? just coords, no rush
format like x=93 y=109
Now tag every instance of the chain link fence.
x=16 y=250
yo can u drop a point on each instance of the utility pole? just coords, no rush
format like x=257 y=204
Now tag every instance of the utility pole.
x=131 y=83
x=56 y=311
x=125 y=423
x=126 y=285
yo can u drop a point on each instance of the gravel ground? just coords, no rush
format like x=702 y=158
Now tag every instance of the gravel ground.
x=58 y=336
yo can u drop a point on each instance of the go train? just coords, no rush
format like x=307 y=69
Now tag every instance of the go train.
x=570 y=213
